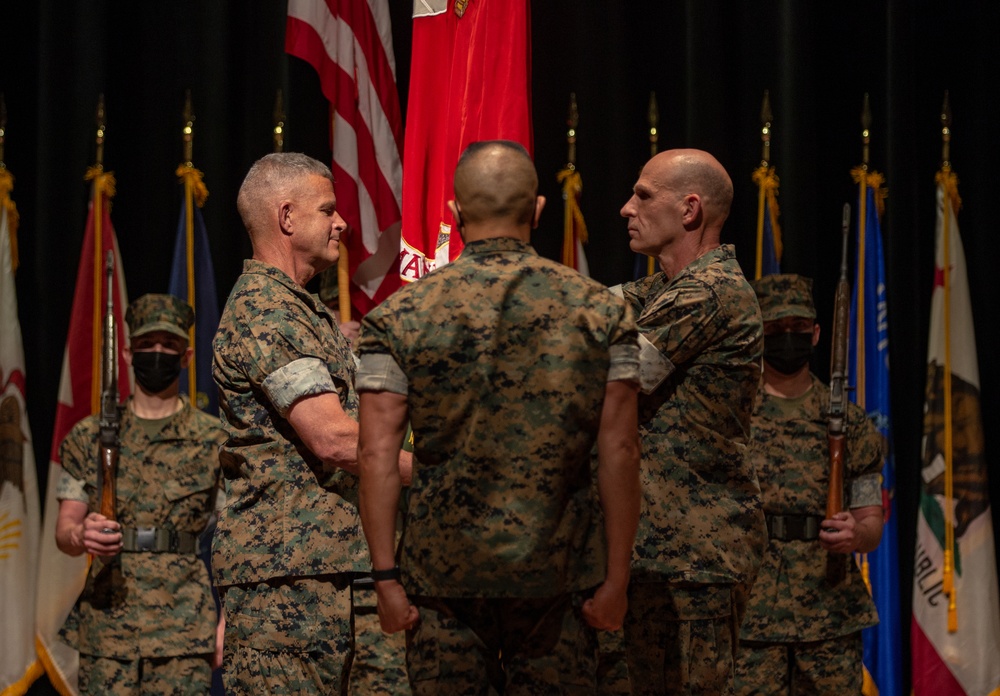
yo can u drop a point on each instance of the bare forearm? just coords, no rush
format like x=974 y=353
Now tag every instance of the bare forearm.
x=618 y=476
x=383 y=423
x=869 y=528
x=69 y=536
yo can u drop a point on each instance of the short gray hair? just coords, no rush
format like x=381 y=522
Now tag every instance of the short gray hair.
x=274 y=174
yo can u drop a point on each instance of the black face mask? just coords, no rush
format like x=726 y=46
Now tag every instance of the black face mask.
x=155 y=371
x=788 y=352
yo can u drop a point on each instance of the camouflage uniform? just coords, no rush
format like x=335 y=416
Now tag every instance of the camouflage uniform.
x=802 y=632
x=505 y=379
x=156 y=606
x=289 y=541
x=701 y=531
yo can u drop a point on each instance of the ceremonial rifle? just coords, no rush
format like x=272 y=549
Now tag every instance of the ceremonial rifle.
x=107 y=471
x=838 y=379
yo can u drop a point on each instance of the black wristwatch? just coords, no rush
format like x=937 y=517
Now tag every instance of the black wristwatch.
x=388 y=574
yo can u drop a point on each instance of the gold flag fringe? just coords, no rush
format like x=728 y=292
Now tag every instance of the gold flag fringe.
x=198 y=188
x=875 y=181
x=6 y=186
x=948 y=180
x=104 y=181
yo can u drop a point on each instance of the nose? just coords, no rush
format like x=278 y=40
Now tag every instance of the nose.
x=628 y=210
x=338 y=222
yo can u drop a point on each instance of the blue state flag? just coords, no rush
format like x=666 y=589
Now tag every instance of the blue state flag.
x=206 y=305
x=868 y=363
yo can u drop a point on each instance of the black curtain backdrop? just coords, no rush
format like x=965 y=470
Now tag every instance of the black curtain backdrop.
x=709 y=62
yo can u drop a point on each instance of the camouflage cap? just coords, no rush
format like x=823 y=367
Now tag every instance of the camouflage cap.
x=159 y=313
x=784 y=295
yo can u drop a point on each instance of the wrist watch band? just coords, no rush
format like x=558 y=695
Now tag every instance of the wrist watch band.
x=388 y=574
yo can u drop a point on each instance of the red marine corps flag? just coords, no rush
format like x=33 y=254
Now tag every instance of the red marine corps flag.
x=349 y=42
x=470 y=80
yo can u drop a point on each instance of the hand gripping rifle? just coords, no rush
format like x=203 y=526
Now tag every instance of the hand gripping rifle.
x=107 y=471
x=836 y=566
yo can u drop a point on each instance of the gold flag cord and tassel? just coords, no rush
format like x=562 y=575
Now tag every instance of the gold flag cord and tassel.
x=767 y=184
x=6 y=186
x=572 y=187
x=195 y=194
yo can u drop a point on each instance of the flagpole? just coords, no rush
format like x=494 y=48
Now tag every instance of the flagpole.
x=188 y=139
x=278 y=134
x=766 y=118
x=568 y=179
x=653 y=114
x=948 y=584
x=97 y=201
x=859 y=283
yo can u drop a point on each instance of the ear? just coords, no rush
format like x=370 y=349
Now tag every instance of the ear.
x=539 y=205
x=815 y=334
x=285 y=209
x=127 y=354
x=692 y=208
x=456 y=212
x=186 y=357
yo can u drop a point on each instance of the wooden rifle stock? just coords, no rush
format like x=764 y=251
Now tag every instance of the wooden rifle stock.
x=110 y=417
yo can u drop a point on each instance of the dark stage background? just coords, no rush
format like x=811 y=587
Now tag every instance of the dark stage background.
x=708 y=61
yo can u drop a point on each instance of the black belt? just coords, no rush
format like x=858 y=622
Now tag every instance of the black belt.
x=158 y=540
x=793 y=527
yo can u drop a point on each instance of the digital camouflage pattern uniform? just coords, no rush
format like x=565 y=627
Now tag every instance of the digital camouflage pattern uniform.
x=147 y=604
x=288 y=543
x=145 y=622
x=799 y=626
x=701 y=530
x=504 y=357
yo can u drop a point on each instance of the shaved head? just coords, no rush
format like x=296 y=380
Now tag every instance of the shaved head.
x=496 y=180
x=695 y=171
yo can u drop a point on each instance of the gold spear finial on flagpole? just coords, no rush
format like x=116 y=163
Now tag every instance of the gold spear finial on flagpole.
x=3 y=127
x=866 y=124
x=279 y=122
x=188 y=130
x=101 y=125
x=572 y=121
x=654 y=122
x=766 y=119
x=945 y=133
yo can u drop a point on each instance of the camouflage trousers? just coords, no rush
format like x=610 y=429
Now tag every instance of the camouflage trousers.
x=177 y=676
x=821 y=668
x=379 y=667
x=681 y=639
x=288 y=636
x=612 y=665
x=515 y=647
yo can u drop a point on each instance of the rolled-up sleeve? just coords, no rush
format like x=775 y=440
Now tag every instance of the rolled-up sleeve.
x=302 y=377
x=380 y=372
